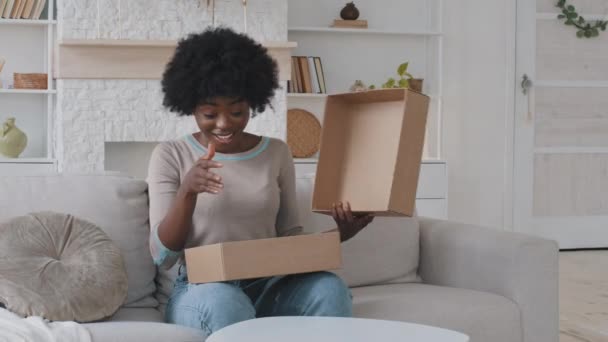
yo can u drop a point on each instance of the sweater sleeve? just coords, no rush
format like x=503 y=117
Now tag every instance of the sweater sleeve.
x=163 y=183
x=288 y=221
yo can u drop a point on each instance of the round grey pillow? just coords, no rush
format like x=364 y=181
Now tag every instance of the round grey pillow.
x=60 y=267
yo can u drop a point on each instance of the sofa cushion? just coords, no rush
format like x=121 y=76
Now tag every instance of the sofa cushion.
x=165 y=282
x=117 y=204
x=386 y=251
x=143 y=331
x=60 y=267
x=481 y=315
x=137 y=315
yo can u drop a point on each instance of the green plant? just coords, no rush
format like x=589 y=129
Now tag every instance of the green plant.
x=402 y=82
x=585 y=29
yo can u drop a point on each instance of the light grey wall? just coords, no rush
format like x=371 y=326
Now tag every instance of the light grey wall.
x=478 y=108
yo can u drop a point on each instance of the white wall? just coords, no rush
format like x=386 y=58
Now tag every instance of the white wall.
x=478 y=63
x=92 y=112
x=477 y=102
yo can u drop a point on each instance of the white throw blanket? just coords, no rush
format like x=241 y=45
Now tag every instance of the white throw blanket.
x=36 y=329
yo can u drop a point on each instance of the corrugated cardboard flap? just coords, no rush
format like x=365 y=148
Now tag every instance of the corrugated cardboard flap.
x=284 y=255
x=206 y=262
x=407 y=167
x=264 y=257
x=371 y=147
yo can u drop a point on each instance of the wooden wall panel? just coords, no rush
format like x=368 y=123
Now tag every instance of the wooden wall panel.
x=562 y=56
x=570 y=184
x=571 y=117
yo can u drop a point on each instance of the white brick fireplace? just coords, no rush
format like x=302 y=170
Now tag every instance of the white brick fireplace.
x=95 y=117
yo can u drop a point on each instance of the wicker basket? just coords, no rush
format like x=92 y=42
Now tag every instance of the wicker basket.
x=30 y=81
x=303 y=133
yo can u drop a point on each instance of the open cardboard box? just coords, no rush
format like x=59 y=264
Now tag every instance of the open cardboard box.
x=264 y=257
x=371 y=150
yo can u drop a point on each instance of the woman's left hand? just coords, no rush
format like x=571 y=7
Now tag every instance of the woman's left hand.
x=348 y=223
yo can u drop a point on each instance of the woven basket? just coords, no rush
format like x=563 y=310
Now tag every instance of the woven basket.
x=30 y=81
x=303 y=133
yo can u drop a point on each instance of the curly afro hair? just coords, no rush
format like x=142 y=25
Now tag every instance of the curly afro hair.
x=219 y=62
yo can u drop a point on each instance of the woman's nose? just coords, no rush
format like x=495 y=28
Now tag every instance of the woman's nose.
x=222 y=122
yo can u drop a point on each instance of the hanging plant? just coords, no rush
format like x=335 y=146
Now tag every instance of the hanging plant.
x=585 y=29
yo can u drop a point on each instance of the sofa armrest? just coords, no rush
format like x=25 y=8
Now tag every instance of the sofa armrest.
x=520 y=267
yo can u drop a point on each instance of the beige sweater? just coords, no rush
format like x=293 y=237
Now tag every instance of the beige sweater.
x=258 y=199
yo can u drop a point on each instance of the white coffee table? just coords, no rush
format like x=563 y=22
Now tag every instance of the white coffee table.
x=334 y=329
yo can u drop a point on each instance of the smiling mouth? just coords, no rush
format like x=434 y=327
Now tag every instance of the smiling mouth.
x=224 y=138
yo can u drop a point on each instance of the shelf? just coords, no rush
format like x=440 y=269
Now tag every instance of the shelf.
x=305 y=160
x=307 y=95
x=315 y=160
x=27 y=22
x=27 y=91
x=322 y=96
x=362 y=31
x=136 y=59
x=4 y=160
x=153 y=43
x=433 y=161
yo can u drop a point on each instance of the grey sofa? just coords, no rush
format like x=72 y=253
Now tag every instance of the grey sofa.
x=492 y=285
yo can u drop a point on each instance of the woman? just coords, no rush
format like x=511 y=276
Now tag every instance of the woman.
x=224 y=184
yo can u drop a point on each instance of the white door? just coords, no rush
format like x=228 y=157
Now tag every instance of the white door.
x=560 y=173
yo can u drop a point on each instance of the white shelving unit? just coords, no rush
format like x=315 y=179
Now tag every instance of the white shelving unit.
x=362 y=31
x=398 y=31
x=29 y=46
x=27 y=91
x=304 y=95
x=28 y=22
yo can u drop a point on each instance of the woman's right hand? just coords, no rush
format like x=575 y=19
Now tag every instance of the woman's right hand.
x=199 y=179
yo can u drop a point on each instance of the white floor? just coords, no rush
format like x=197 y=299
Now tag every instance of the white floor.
x=584 y=296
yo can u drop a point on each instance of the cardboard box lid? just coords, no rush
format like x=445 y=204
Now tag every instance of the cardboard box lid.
x=371 y=149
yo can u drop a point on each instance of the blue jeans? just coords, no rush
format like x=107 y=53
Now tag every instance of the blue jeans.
x=213 y=306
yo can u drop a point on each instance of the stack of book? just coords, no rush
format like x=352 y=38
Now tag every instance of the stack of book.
x=22 y=9
x=306 y=75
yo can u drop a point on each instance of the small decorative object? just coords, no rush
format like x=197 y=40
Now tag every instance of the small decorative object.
x=416 y=84
x=403 y=82
x=30 y=81
x=349 y=12
x=12 y=139
x=358 y=86
x=303 y=133
x=585 y=29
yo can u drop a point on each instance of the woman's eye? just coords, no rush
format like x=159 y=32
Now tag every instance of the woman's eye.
x=237 y=114
x=209 y=116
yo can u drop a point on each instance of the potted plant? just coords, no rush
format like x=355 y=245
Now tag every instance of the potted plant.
x=405 y=80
